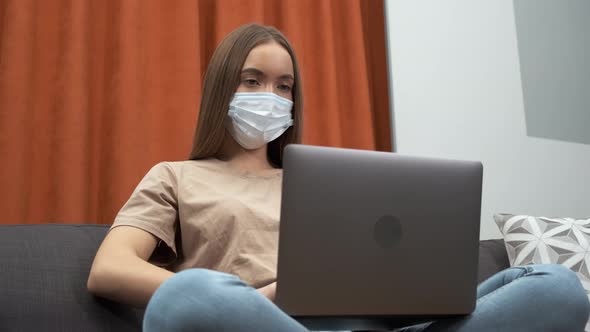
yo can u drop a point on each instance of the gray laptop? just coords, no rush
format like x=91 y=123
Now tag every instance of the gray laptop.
x=376 y=240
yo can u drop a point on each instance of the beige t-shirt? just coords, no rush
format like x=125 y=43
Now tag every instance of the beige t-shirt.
x=210 y=215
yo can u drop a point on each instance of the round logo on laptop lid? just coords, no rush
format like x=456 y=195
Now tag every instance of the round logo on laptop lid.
x=387 y=231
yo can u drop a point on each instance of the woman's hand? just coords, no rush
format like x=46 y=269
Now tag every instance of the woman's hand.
x=269 y=291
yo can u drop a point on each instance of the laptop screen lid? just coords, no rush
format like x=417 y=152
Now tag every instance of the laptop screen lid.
x=367 y=233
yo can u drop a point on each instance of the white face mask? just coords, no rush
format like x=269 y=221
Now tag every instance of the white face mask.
x=256 y=118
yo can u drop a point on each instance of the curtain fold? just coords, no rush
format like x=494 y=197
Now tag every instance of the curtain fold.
x=93 y=93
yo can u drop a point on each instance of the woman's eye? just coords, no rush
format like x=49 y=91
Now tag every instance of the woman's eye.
x=284 y=87
x=251 y=82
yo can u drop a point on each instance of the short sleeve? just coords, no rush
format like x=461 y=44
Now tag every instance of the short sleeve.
x=153 y=207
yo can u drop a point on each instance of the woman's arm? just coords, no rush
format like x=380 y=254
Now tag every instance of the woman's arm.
x=120 y=270
x=269 y=291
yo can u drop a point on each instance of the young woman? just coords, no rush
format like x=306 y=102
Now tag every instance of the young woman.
x=197 y=240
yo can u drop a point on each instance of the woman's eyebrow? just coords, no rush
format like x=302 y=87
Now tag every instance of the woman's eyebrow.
x=254 y=71
x=287 y=77
x=258 y=72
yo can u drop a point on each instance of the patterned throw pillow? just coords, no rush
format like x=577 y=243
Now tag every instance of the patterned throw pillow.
x=540 y=240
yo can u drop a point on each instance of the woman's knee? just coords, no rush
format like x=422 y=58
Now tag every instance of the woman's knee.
x=194 y=298
x=198 y=284
x=558 y=275
x=565 y=287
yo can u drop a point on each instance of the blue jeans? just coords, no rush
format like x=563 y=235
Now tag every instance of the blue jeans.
x=531 y=298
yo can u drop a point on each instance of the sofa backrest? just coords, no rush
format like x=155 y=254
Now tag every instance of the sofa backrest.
x=492 y=258
x=43 y=276
x=43 y=281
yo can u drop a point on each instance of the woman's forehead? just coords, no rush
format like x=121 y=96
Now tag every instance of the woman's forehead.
x=270 y=58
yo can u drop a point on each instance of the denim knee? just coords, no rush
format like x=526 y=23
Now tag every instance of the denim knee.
x=566 y=288
x=193 y=299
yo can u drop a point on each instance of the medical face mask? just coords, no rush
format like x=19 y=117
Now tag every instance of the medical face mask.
x=256 y=118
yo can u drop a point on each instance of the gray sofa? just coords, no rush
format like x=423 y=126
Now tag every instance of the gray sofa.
x=44 y=270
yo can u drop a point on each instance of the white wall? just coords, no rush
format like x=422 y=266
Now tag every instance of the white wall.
x=456 y=88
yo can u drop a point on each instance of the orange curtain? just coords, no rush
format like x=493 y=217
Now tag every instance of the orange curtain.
x=93 y=93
